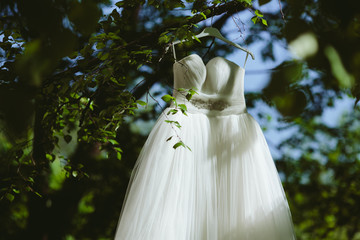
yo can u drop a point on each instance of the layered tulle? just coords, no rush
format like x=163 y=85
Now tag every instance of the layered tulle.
x=226 y=187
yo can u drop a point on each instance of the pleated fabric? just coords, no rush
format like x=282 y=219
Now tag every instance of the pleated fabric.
x=225 y=187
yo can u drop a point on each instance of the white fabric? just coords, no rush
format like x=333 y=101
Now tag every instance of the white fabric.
x=226 y=187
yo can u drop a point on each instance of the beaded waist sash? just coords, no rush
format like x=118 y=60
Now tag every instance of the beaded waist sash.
x=211 y=105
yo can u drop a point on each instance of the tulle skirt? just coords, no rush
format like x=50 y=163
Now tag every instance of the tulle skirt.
x=225 y=187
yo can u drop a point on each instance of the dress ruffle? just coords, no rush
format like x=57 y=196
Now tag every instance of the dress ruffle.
x=226 y=187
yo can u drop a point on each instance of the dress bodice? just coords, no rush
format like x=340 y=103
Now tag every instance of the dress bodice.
x=219 y=84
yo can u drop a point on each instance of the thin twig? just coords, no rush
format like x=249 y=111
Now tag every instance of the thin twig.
x=282 y=14
x=208 y=48
x=137 y=85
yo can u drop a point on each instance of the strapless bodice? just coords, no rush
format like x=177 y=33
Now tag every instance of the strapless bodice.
x=219 y=84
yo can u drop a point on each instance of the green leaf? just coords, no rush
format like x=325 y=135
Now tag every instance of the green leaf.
x=258 y=13
x=197 y=39
x=167 y=98
x=120 y=4
x=254 y=19
x=246 y=1
x=118 y=155
x=169 y=138
x=100 y=45
x=75 y=173
x=113 y=141
x=203 y=15
x=142 y=103
x=38 y=194
x=188 y=96
x=264 y=22
x=192 y=91
x=164 y=39
x=188 y=148
x=177 y=124
x=9 y=196
x=104 y=56
x=45 y=115
x=113 y=35
x=178 y=144
x=16 y=191
x=173 y=111
x=171 y=4
x=118 y=149
x=49 y=157
x=182 y=107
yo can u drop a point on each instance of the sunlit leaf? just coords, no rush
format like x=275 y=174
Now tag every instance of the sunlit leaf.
x=49 y=157
x=167 y=98
x=254 y=19
x=113 y=141
x=182 y=107
x=118 y=155
x=258 y=13
x=142 y=103
x=16 y=191
x=203 y=15
x=264 y=22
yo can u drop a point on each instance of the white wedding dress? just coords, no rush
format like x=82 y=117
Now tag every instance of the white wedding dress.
x=226 y=187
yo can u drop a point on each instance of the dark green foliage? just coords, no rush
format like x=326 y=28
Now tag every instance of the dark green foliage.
x=69 y=99
x=323 y=181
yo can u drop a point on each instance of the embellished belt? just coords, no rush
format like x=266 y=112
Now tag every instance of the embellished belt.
x=211 y=105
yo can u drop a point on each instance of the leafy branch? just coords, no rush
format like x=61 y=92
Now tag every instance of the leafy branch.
x=183 y=109
x=259 y=17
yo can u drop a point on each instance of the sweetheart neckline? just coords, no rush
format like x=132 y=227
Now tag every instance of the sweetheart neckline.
x=205 y=64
